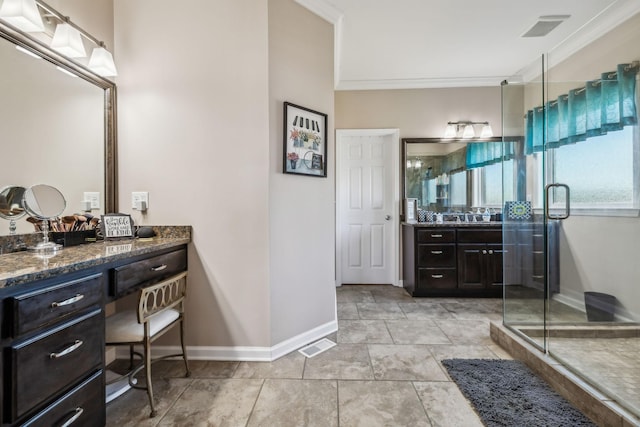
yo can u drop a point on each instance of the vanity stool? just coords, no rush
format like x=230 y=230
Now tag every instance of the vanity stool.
x=160 y=307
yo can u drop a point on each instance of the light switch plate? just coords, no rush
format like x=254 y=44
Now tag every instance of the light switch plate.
x=93 y=197
x=139 y=196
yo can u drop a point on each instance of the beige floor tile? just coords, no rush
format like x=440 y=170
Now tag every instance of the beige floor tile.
x=293 y=403
x=132 y=408
x=380 y=403
x=416 y=332
x=425 y=311
x=466 y=331
x=380 y=311
x=289 y=366
x=353 y=294
x=441 y=352
x=391 y=294
x=348 y=311
x=344 y=361
x=363 y=331
x=219 y=402
x=445 y=405
x=405 y=363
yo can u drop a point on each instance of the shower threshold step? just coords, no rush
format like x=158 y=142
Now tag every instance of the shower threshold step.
x=601 y=330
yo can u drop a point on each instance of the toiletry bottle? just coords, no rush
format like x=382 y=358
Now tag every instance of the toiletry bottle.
x=486 y=216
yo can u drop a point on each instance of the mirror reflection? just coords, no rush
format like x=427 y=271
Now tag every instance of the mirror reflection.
x=52 y=129
x=11 y=205
x=454 y=177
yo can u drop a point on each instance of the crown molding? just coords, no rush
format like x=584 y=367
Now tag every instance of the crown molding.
x=324 y=10
x=427 y=83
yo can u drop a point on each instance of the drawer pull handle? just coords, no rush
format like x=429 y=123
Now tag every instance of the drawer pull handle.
x=73 y=347
x=436 y=252
x=538 y=277
x=77 y=413
x=437 y=276
x=159 y=268
x=71 y=300
x=436 y=235
x=490 y=251
x=484 y=251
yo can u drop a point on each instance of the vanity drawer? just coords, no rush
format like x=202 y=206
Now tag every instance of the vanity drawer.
x=128 y=278
x=480 y=236
x=436 y=235
x=43 y=307
x=434 y=256
x=84 y=405
x=443 y=278
x=44 y=365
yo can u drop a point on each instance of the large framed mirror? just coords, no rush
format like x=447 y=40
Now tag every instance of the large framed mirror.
x=437 y=172
x=58 y=128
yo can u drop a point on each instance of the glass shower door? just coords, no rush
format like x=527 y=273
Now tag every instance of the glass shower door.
x=524 y=223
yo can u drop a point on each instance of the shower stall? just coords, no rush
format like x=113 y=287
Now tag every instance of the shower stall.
x=571 y=230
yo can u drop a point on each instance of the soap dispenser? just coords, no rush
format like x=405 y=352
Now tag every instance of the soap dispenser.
x=486 y=216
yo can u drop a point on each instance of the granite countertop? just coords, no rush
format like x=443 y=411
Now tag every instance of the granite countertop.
x=22 y=267
x=450 y=224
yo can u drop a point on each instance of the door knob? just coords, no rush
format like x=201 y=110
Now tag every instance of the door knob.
x=387 y=217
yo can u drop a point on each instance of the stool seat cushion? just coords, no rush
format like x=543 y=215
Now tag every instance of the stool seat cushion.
x=123 y=326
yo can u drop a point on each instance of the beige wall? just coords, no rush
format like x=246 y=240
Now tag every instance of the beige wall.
x=418 y=113
x=200 y=128
x=302 y=210
x=194 y=132
x=600 y=253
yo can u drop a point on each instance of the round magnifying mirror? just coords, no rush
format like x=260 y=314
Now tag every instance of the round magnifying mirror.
x=44 y=202
x=11 y=205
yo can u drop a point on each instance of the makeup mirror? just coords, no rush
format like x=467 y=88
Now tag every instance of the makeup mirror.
x=44 y=202
x=11 y=206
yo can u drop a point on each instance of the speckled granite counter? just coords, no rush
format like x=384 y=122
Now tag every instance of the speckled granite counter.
x=22 y=267
x=454 y=224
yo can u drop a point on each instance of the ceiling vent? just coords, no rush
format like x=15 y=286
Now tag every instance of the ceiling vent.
x=545 y=25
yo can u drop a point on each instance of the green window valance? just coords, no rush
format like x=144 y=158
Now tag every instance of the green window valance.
x=601 y=106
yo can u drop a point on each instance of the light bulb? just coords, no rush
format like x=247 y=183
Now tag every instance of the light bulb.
x=468 y=131
x=487 y=132
x=450 y=131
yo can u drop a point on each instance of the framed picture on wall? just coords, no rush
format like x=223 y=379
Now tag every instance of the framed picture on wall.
x=305 y=141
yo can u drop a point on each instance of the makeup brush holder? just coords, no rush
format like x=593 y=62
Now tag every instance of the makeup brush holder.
x=73 y=238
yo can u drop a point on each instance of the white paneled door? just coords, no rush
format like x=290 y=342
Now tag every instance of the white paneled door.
x=367 y=217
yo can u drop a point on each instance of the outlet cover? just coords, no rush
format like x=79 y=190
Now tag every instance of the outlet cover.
x=139 y=196
x=93 y=197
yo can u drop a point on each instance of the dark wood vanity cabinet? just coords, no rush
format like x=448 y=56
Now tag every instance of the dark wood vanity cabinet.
x=480 y=259
x=52 y=339
x=456 y=261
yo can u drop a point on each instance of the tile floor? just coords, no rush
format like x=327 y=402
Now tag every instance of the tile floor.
x=385 y=371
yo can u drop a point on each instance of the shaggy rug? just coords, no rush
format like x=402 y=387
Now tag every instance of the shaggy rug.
x=508 y=393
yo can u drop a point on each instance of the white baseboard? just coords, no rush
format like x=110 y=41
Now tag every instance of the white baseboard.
x=575 y=300
x=240 y=353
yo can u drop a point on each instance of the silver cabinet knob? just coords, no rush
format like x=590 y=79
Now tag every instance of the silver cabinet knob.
x=387 y=217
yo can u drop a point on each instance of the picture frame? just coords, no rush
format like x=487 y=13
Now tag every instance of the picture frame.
x=304 y=141
x=116 y=226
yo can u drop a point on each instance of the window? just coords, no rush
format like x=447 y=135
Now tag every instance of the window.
x=490 y=186
x=599 y=171
x=458 y=183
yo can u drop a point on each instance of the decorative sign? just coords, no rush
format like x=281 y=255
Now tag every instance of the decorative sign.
x=117 y=226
